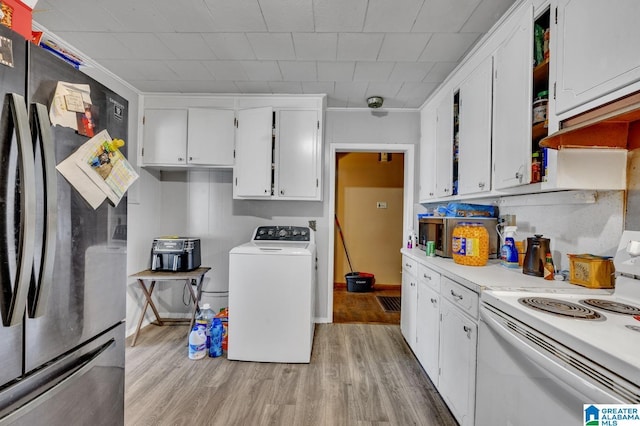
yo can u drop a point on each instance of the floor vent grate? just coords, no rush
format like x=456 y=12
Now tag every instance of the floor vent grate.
x=389 y=303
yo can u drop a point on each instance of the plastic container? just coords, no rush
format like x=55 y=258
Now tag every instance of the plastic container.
x=540 y=107
x=224 y=317
x=359 y=282
x=215 y=349
x=204 y=320
x=470 y=244
x=536 y=168
x=197 y=343
x=591 y=271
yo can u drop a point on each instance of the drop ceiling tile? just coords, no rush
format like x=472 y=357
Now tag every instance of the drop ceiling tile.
x=287 y=15
x=444 y=16
x=186 y=16
x=336 y=71
x=253 y=86
x=229 y=45
x=314 y=46
x=445 y=47
x=97 y=45
x=276 y=46
x=236 y=15
x=188 y=46
x=316 y=87
x=80 y=14
x=339 y=15
x=439 y=72
x=410 y=71
x=391 y=16
x=333 y=102
x=144 y=46
x=136 y=16
x=387 y=90
x=359 y=46
x=350 y=89
x=403 y=47
x=151 y=86
x=286 y=87
x=357 y=103
x=298 y=70
x=190 y=70
x=262 y=70
x=485 y=15
x=124 y=70
x=373 y=71
x=153 y=70
x=414 y=94
x=226 y=70
x=208 y=86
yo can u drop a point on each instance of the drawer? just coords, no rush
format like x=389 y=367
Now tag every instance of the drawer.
x=409 y=266
x=429 y=277
x=460 y=296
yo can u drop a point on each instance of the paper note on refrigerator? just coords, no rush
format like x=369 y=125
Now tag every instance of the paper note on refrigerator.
x=69 y=100
x=98 y=170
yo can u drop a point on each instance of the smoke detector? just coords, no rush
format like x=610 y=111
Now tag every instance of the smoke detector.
x=375 y=101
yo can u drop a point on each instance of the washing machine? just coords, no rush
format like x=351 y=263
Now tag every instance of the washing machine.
x=272 y=287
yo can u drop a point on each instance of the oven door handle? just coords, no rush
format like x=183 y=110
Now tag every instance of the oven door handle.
x=556 y=371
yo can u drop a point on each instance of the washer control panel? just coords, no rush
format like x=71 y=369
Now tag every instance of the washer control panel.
x=282 y=233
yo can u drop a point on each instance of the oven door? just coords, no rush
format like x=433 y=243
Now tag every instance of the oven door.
x=524 y=377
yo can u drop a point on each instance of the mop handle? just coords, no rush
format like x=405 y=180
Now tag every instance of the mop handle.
x=344 y=244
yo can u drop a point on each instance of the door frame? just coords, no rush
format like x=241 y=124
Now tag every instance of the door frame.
x=408 y=196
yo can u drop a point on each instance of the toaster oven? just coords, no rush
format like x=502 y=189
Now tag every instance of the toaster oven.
x=440 y=229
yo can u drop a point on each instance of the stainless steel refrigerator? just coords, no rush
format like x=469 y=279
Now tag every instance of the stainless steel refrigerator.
x=62 y=263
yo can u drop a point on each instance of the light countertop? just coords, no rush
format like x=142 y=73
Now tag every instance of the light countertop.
x=493 y=276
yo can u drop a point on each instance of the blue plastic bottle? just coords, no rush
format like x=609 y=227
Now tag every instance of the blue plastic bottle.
x=215 y=350
x=204 y=320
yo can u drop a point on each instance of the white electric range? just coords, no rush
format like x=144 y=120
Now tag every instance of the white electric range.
x=560 y=348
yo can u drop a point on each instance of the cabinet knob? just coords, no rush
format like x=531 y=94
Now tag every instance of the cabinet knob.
x=190 y=158
x=446 y=190
x=282 y=192
x=427 y=276
x=467 y=330
x=431 y=194
x=480 y=185
x=433 y=300
x=180 y=159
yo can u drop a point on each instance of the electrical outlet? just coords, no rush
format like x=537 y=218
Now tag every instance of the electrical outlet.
x=381 y=204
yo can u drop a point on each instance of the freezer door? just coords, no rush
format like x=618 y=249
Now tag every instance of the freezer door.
x=85 y=387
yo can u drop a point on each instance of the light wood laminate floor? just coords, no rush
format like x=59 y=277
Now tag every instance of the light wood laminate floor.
x=360 y=374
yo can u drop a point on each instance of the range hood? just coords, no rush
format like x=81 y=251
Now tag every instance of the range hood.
x=614 y=126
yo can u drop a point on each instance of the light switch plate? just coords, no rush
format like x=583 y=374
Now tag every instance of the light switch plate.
x=381 y=204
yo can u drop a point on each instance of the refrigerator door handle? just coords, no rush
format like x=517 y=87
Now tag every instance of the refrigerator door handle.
x=62 y=382
x=14 y=299
x=42 y=279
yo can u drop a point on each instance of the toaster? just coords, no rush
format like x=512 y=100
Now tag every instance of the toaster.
x=175 y=254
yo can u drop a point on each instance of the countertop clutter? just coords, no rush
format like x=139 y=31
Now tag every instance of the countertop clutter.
x=493 y=276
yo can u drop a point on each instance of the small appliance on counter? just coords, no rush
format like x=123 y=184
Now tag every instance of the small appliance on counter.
x=175 y=254
x=440 y=231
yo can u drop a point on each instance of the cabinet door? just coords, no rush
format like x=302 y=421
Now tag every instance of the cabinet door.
x=512 y=104
x=408 y=301
x=457 y=381
x=444 y=147
x=254 y=146
x=165 y=136
x=428 y=329
x=210 y=137
x=474 y=170
x=298 y=149
x=597 y=49
x=427 y=153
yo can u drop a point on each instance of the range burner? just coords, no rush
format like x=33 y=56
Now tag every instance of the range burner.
x=560 y=307
x=611 y=306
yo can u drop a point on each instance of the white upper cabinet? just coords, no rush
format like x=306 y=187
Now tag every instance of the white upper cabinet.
x=298 y=147
x=427 y=153
x=444 y=147
x=512 y=100
x=278 y=154
x=474 y=168
x=597 y=49
x=254 y=147
x=188 y=137
x=210 y=136
x=165 y=137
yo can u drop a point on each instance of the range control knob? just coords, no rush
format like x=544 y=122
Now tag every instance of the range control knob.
x=270 y=231
x=295 y=232
x=282 y=233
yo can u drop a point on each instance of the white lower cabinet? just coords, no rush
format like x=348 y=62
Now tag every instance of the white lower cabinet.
x=428 y=321
x=408 y=301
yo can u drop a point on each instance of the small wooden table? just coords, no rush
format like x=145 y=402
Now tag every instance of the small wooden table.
x=153 y=277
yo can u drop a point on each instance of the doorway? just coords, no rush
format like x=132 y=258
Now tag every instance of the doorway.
x=372 y=197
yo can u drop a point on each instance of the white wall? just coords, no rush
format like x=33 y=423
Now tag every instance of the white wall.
x=200 y=204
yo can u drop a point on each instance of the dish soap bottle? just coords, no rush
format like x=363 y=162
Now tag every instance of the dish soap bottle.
x=549 y=270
